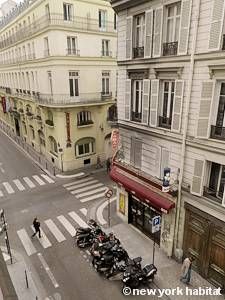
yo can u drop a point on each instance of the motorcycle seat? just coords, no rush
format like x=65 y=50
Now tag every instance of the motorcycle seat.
x=84 y=230
x=149 y=268
x=108 y=257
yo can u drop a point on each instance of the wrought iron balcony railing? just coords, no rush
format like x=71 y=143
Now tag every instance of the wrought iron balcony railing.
x=107 y=53
x=165 y=122
x=136 y=116
x=170 y=49
x=74 y=52
x=138 y=52
x=56 y=20
x=217 y=132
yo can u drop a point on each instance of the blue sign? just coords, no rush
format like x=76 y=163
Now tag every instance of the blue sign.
x=156 y=224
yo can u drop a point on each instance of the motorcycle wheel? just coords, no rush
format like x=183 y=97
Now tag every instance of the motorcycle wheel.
x=81 y=244
x=135 y=283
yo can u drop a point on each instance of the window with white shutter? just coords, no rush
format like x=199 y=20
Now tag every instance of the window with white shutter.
x=129 y=37
x=145 y=101
x=218 y=127
x=197 y=180
x=157 y=37
x=137 y=99
x=178 y=104
x=154 y=102
x=204 y=116
x=165 y=118
x=148 y=33
x=186 y=8
x=215 y=34
x=127 y=99
x=139 y=35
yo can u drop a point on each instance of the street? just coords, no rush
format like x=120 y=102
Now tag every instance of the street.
x=61 y=205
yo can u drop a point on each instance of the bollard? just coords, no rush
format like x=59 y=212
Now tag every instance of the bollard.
x=26 y=279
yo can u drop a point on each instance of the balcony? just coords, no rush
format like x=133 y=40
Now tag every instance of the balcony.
x=138 y=52
x=106 y=95
x=136 y=116
x=84 y=123
x=74 y=52
x=55 y=20
x=217 y=132
x=170 y=49
x=165 y=122
x=212 y=194
x=107 y=53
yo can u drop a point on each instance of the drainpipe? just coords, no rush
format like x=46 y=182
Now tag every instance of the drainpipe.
x=186 y=118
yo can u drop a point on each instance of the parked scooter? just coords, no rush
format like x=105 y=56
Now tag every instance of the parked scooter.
x=83 y=230
x=87 y=239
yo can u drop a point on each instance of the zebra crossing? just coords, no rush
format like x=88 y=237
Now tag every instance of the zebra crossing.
x=52 y=231
x=86 y=189
x=24 y=183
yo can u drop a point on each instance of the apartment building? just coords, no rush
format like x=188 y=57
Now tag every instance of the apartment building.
x=171 y=87
x=58 y=78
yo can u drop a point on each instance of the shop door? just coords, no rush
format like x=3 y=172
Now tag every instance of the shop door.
x=136 y=213
x=205 y=240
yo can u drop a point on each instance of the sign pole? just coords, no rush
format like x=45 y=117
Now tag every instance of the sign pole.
x=108 y=212
x=153 y=253
x=108 y=195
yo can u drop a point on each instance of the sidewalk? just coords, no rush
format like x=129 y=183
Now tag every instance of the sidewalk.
x=168 y=275
x=17 y=274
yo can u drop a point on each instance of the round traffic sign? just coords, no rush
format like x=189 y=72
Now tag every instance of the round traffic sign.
x=109 y=193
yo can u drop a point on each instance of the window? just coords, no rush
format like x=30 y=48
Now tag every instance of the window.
x=53 y=145
x=137 y=100
x=85 y=147
x=115 y=21
x=49 y=120
x=73 y=83
x=47 y=11
x=67 y=11
x=46 y=47
x=32 y=134
x=105 y=48
x=215 y=189
x=84 y=118
x=218 y=131
x=105 y=83
x=165 y=119
x=102 y=15
x=172 y=29
x=49 y=73
x=139 y=35
x=72 y=45
x=41 y=137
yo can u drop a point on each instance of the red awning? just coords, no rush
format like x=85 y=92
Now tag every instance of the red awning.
x=141 y=190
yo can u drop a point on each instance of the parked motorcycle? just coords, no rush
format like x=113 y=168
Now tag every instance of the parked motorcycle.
x=87 y=239
x=83 y=230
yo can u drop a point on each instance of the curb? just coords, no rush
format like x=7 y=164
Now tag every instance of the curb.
x=100 y=209
x=78 y=175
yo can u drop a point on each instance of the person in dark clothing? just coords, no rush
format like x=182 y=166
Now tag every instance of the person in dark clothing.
x=36 y=225
x=108 y=165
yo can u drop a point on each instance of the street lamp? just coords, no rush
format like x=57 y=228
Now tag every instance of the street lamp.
x=3 y=228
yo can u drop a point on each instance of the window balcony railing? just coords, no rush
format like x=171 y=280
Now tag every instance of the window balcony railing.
x=74 y=52
x=213 y=194
x=217 y=132
x=107 y=53
x=170 y=49
x=106 y=95
x=46 y=53
x=84 y=123
x=56 y=20
x=136 y=116
x=165 y=122
x=138 y=52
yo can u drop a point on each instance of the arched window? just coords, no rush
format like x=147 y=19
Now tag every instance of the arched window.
x=29 y=110
x=85 y=146
x=41 y=137
x=49 y=120
x=53 y=145
x=84 y=118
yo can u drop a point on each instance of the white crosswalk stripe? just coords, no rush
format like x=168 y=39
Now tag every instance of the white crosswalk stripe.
x=77 y=219
x=26 y=241
x=93 y=197
x=91 y=192
x=87 y=188
x=69 y=227
x=19 y=185
x=1 y=194
x=47 y=178
x=39 y=180
x=44 y=241
x=84 y=211
x=29 y=182
x=81 y=185
x=8 y=188
x=77 y=182
x=55 y=230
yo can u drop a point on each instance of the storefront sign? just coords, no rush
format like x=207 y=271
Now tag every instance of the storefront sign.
x=115 y=138
x=166 y=180
x=122 y=203
x=156 y=224
x=68 y=129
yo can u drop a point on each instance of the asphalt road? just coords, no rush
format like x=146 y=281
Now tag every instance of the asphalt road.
x=69 y=272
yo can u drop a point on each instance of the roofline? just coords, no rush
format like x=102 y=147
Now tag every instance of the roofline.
x=119 y=5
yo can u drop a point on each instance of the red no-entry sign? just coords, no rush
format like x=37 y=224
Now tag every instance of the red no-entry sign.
x=109 y=193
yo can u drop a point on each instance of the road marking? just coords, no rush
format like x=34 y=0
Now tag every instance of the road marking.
x=2 y=170
x=1 y=194
x=26 y=241
x=91 y=192
x=94 y=197
x=81 y=185
x=44 y=241
x=77 y=181
x=29 y=182
x=48 y=271
x=8 y=188
x=84 y=211
x=69 y=227
x=100 y=210
x=55 y=231
x=47 y=178
x=39 y=180
x=77 y=219
x=19 y=185
x=87 y=188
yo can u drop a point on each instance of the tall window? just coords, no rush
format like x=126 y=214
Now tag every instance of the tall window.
x=53 y=145
x=105 y=82
x=220 y=120
x=71 y=45
x=139 y=35
x=84 y=118
x=115 y=21
x=137 y=100
x=105 y=48
x=67 y=11
x=102 y=15
x=167 y=104
x=49 y=73
x=46 y=47
x=74 y=83
x=47 y=11
x=216 y=181
x=85 y=146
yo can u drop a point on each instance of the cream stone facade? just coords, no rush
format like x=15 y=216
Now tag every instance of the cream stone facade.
x=171 y=87
x=58 y=78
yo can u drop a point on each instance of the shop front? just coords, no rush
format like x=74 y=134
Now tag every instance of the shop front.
x=139 y=201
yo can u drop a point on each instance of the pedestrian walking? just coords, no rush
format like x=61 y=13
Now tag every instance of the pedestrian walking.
x=186 y=270
x=37 y=226
x=108 y=165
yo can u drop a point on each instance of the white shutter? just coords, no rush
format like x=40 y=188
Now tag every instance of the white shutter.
x=165 y=155
x=145 y=101
x=177 y=105
x=154 y=102
x=215 y=34
x=127 y=99
x=129 y=33
x=157 y=37
x=148 y=33
x=197 y=180
x=207 y=93
x=186 y=8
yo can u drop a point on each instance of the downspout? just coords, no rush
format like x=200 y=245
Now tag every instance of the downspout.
x=186 y=118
